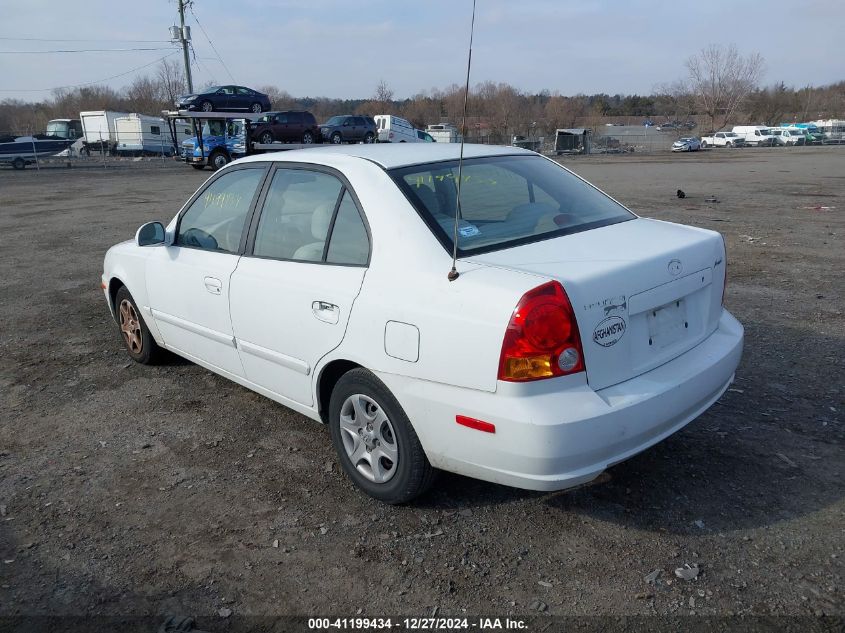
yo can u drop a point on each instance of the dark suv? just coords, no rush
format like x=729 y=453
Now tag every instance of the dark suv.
x=287 y=127
x=349 y=129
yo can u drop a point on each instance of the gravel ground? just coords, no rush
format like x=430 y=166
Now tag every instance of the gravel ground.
x=130 y=490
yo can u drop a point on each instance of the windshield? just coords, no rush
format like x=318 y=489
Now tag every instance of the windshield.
x=765 y=132
x=217 y=127
x=335 y=120
x=505 y=201
x=57 y=128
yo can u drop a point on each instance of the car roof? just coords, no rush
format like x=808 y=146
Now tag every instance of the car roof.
x=390 y=155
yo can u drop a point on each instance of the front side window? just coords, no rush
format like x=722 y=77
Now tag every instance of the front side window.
x=297 y=215
x=282 y=117
x=215 y=220
x=505 y=201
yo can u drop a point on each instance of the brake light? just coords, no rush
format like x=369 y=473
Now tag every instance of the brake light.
x=542 y=339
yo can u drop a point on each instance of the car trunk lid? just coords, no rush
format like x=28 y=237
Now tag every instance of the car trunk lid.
x=643 y=291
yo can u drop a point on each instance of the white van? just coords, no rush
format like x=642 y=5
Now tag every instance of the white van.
x=758 y=135
x=393 y=129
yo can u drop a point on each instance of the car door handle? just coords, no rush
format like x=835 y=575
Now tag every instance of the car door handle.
x=325 y=311
x=213 y=285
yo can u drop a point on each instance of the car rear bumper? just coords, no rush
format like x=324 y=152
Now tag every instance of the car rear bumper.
x=559 y=433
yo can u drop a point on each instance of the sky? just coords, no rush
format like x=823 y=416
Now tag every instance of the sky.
x=343 y=49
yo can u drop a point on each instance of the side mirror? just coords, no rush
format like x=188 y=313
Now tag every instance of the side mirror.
x=150 y=234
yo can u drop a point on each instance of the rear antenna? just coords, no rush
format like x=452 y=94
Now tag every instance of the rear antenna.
x=454 y=274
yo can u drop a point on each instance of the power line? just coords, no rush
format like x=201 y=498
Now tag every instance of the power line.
x=84 y=50
x=44 y=39
x=211 y=43
x=91 y=83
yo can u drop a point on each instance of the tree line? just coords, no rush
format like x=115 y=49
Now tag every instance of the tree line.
x=722 y=87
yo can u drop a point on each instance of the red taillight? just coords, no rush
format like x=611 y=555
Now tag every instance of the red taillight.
x=542 y=339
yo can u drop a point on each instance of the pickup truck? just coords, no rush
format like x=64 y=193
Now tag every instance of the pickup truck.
x=722 y=139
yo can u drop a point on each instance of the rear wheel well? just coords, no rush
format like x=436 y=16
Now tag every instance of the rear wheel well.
x=325 y=384
x=114 y=285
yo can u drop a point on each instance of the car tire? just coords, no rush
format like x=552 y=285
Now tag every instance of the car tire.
x=256 y=108
x=19 y=163
x=218 y=159
x=307 y=138
x=703 y=144
x=336 y=138
x=266 y=138
x=136 y=336
x=729 y=144
x=369 y=137
x=384 y=432
x=207 y=106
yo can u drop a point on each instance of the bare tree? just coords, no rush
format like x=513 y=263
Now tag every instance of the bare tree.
x=383 y=93
x=172 y=78
x=721 y=78
x=280 y=99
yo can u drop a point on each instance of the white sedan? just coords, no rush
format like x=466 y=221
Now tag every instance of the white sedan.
x=575 y=336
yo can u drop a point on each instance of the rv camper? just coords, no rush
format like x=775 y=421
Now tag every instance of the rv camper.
x=139 y=134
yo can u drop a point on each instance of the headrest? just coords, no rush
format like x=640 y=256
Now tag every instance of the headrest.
x=320 y=221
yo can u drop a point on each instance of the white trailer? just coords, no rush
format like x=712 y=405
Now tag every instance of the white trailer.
x=98 y=130
x=140 y=134
x=444 y=133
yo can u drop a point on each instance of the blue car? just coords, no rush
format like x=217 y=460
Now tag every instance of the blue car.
x=222 y=142
x=225 y=99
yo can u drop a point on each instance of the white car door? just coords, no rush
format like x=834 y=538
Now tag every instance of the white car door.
x=293 y=290
x=188 y=281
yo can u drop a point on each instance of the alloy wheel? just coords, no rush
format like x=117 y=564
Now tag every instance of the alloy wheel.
x=368 y=438
x=130 y=326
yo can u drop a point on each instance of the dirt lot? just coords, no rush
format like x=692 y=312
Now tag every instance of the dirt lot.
x=135 y=490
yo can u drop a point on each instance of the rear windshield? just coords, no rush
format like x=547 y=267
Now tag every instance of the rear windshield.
x=505 y=201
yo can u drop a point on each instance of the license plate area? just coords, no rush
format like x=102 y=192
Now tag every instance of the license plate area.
x=667 y=324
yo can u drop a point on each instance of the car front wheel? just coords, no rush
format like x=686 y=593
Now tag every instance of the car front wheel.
x=266 y=138
x=375 y=442
x=139 y=343
x=336 y=138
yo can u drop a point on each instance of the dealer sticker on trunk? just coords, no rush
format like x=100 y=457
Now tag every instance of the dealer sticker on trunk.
x=609 y=331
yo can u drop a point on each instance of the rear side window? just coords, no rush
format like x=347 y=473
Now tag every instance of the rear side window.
x=295 y=117
x=155 y=130
x=349 y=243
x=505 y=201
x=215 y=220
x=309 y=118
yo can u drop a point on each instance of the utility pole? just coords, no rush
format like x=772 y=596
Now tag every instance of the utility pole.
x=184 y=37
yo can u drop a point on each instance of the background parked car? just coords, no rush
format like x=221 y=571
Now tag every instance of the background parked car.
x=785 y=136
x=290 y=126
x=225 y=98
x=687 y=144
x=346 y=128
